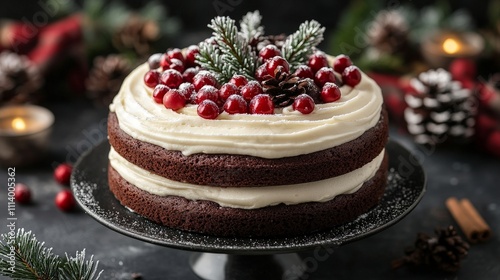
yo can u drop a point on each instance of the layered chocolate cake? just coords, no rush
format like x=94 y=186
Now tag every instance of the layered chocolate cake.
x=248 y=135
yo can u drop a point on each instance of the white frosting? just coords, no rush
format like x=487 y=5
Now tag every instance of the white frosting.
x=247 y=197
x=284 y=134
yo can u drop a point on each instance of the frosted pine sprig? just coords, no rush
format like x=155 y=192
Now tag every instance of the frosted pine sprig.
x=299 y=45
x=210 y=58
x=250 y=26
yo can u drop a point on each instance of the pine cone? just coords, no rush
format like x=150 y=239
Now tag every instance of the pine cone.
x=388 y=32
x=20 y=81
x=284 y=87
x=444 y=251
x=136 y=34
x=440 y=108
x=105 y=78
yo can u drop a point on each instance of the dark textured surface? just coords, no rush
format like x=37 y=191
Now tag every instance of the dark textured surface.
x=238 y=170
x=208 y=217
x=451 y=170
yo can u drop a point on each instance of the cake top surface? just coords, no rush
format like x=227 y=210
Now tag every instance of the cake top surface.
x=187 y=101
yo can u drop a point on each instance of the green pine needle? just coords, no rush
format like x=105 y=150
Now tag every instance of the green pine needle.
x=250 y=26
x=300 y=44
x=22 y=256
x=210 y=58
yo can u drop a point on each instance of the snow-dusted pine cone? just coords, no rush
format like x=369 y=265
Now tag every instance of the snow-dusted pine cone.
x=440 y=109
x=20 y=80
x=388 y=32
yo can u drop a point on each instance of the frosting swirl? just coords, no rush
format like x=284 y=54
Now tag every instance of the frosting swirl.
x=284 y=134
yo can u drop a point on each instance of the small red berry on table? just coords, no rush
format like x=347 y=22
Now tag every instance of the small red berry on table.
x=261 y=104
x=22 y=194
x=208 y=109
x=351 y=76
x=304 y=104
x=62 y=173
x=65 y=201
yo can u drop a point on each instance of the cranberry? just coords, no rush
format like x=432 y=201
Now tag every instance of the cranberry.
x=174 y=100
x=304 y=104
x=304 y=71
x=324 y=75
x=250 y=90
x=227 y=90
x=261 y=72
x=317 y=61
x=22 y=194
x=154 y=61
x=207 y=92
x=176 y=64
x=189 y=74
x=236 y=104
x=239 y=80
x=330 y=92
x=208 y=109
x=187 y=89
x=203 y=78
x=269 y=52
x=62 y=173
x=152 y=78
x=351 y=76
x=164 y=61
x=65 y=201
x=171 y=78
x=191 y=53
x=261 y=104
x=341 y=62
x=273 y=63
x=159 y=92
x=175 y=53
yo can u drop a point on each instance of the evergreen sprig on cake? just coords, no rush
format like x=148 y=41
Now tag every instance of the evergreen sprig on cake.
x=244 y=71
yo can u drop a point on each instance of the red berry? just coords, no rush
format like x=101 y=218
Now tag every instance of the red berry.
x=250 y=90
x=463 y=69
x=207 y=92
x=22 y=194
x=154 y=61
x=238 y=80
x=304 y=71
x=176 y=64
x=164 y=61
x=171 y=78
x=189 y=74
x=159 y=92
x=351 y=76
x=317 y=61
x=152 y=78
x=208 y=109
x=65 y=200
x=269 y=52
x=191 y=53
x=174 y=100
x=304 y=104
x=203 y=78
x=175 y=53
x=62 y=173
x=261 y=72
x=273 y=63
x=187 y=89
x=330 y=93
x=341 y=62
x=324 y=75
x=261 y=104
x=236 y=104
x=227 y=90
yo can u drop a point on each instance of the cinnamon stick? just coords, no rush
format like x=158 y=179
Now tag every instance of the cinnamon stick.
x=469 y=220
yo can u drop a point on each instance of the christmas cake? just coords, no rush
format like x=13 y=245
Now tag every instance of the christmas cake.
x=248 y=135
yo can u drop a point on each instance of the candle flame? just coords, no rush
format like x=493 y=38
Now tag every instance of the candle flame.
x=451 y=46
x=18 y=124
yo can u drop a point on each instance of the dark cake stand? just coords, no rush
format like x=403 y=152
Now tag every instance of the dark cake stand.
x=219 y=258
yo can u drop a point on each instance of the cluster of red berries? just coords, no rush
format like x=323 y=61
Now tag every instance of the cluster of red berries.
x=177 y=80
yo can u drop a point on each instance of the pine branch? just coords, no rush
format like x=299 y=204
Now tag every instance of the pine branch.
x=250 y=26
x=22 y=256
x=300 y=44
x=236 y=52
x=210 y=58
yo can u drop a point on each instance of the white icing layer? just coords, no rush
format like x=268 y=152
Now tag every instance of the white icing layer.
x=284 y=134
x=247 y=197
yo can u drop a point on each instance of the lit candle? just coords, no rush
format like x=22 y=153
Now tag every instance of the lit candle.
x=24 y=134
x=451 y=46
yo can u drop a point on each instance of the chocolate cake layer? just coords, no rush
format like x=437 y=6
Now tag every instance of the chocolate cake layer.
x=225 y=170
x=209 y=218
